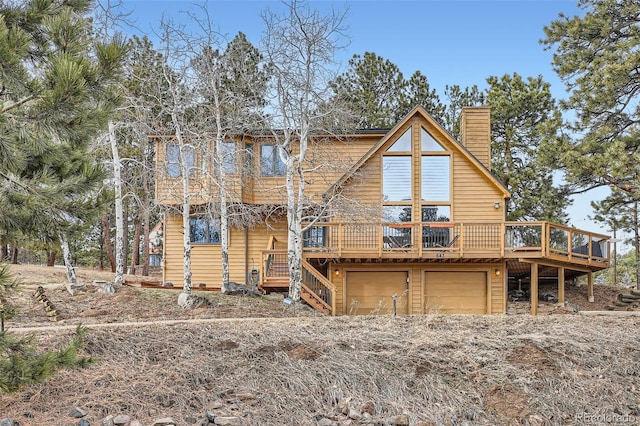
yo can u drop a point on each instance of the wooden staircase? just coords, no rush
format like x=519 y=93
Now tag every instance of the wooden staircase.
x=316 y=290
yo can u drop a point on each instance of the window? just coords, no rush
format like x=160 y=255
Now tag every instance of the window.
x=435 y=185
x=228 y=157
x=270 y=162
x=436 y=213
x=173 y=159
x=396 y=214
x=249 y=157
x=435 y=178
x=428 y=143
x=397 y=192
x=315 y=237
x=403 y=144
x=396 y=178
x=204 y=230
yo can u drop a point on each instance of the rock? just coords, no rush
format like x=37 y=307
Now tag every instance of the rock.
x=327 y=422
x=78 y=412
x=8 y=422
x=166 y=421
x=107 y=288
x=84 y=422
x=228 y=421
x=354 y=414
x=191 y=420
x=233 y=288
x=191 y=301
x=108 y=421
x=121 y=419
x=135 y=423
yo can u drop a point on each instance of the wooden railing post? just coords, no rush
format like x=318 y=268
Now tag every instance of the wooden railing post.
x=547 y=239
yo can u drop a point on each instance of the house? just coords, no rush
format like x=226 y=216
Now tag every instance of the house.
x=434 y=237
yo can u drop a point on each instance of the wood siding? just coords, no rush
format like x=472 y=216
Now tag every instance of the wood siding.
x=206 y=265
x=249 y=186
x=475 y=132
x=474 y=195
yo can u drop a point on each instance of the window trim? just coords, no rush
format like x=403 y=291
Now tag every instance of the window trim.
x=190 y=156
x=212 y=228
x=275 y=161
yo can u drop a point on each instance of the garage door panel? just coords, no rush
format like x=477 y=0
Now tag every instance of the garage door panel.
x=371 y=292
x=456 y=291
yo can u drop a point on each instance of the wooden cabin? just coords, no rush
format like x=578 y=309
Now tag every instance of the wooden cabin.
x=431 y=235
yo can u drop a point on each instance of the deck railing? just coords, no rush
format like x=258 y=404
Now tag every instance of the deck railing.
x=449 y=239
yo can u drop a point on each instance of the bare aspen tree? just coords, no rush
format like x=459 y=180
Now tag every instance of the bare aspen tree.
x=232 y=86
x=117 y=183
x=300 y=46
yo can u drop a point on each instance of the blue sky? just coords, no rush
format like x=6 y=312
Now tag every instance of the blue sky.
x=450 y=42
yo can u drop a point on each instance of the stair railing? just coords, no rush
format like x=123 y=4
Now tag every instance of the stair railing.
x=320 y=288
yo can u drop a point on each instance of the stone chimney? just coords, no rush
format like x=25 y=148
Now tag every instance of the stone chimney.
x=475 y=132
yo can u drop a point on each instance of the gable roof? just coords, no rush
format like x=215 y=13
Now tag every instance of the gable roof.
x=421 y=112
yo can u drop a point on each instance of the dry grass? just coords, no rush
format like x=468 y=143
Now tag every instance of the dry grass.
x=485 y=370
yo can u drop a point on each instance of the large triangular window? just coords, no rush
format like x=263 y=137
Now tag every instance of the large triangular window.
x=428 y=143
x=403 y=144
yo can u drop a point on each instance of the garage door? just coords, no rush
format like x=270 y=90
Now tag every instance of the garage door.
x=370 y=293
x=456 y=292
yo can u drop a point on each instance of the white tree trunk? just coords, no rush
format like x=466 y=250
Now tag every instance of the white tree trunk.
x=186 y=211
x=224 y=221
x=117 y=178
x=294 y=228
x=66 y=255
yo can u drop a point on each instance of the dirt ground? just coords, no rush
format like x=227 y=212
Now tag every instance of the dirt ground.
x=306 y=369
x=129 y=303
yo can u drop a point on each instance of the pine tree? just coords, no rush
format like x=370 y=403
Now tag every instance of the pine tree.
x=597 y=56
x=55 y=98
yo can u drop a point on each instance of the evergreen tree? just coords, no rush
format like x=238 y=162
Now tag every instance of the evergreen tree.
x=525 y=125
x=54 y=99
x=620 y=211
x=459 y=99
x=378 y=95
x=597 y=56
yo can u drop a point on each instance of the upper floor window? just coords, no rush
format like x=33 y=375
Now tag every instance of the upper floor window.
x=435 y=178
x=228 y=157
x=204 y=230
x=435 y=170
x=396 y=178
x=428 y=143
x=173 y=159
x=270 y=162
x=249 y=158
x=403 y=144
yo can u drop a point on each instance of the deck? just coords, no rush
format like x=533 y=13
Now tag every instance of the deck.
x=462 y=242
x=532 y=250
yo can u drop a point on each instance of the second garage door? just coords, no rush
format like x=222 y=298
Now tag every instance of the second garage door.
x=370 y=293
x=456 y=292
